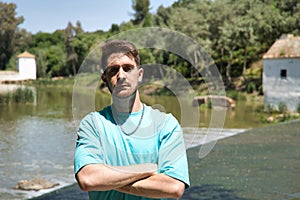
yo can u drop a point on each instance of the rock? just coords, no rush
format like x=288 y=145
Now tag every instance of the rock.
x=270 y=119
x=35 y=184
x=216 y=101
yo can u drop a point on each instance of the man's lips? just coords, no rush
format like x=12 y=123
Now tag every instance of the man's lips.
x=122 y=85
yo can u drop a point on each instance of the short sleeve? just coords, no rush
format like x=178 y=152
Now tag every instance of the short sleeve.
x=88 y=149
x=172 y=153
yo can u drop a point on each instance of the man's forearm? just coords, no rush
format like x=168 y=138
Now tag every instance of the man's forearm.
x=156 y=186
x=102 y=177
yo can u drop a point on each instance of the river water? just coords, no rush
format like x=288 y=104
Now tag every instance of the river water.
x=38 y=140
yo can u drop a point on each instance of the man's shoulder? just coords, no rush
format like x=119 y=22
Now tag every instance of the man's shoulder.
x=105 y=111
x=161 y=118
x=101 y=114
x=156 y=113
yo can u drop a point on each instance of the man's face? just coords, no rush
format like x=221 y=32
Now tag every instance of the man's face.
x=122 y=75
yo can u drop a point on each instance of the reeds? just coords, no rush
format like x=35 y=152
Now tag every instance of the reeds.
x=20 y=95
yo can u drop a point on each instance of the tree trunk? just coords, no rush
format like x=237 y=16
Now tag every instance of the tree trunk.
x=228 y=70
x=245 y=64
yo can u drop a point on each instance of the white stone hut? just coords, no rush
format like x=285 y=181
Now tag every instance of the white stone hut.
x=26 y=66
x=281 y=73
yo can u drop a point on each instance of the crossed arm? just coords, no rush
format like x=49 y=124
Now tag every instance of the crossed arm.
x=141 y=180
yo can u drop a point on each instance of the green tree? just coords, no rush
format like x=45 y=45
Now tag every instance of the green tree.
x=44 y=45
x=45 y=40
x=55 y=61
x=141 y=11
x=8 y=27
x=41 y=62
x=78 y=28
x=290 y=11
x=72 y=57
x=22 y=40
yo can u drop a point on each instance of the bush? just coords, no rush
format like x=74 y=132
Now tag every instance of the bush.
x=282 y=108
x=260 y=108
x=232 y=94
x=251 y=87
x=21 y=95
x=235 y=95
x=209 y=104
x=270 y=109
x=298 y=108
x=260 y=90
x=203 y=107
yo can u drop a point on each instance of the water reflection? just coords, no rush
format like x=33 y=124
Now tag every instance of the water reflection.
x=17 y=93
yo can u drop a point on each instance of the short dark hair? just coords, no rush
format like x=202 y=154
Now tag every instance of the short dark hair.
x=119 y=46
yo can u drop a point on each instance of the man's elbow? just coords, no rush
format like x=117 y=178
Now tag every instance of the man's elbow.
x=84 y=182
x=178 y=189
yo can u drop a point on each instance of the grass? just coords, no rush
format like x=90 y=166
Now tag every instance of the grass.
x=65 y=82
x=21 y=95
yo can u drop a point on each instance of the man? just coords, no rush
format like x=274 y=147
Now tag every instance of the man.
x=129 y=150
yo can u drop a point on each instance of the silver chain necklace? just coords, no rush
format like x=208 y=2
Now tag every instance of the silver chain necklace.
x=136 y=128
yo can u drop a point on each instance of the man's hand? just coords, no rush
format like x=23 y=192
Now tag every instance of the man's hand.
x=155 y=186
x=104 y=177
x=140 y=180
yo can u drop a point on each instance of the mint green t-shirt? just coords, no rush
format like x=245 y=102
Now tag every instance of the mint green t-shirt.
x=158 y=139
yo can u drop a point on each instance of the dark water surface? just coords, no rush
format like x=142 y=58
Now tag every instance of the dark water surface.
x=262 y=163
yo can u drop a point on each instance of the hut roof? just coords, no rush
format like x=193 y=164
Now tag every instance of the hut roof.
x=26 y=54
x=288 y=46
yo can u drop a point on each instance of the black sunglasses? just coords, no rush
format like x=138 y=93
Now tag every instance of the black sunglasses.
x=113 y=70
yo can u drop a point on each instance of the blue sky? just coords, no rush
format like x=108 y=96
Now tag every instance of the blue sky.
x=50 y=15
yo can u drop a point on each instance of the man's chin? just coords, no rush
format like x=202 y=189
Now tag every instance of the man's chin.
x=122 y=94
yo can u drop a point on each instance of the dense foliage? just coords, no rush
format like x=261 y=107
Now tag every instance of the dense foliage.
x=8 y=32
x=235 y=32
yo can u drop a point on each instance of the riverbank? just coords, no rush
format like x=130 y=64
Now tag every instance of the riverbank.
x=265 y=115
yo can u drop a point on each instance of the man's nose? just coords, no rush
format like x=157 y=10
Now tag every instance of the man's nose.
x=121 y=73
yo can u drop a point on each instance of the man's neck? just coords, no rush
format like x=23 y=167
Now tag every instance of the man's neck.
x=128 y=104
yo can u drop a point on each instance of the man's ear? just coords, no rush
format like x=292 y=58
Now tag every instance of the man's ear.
x=103 y=77
x=141 y=73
